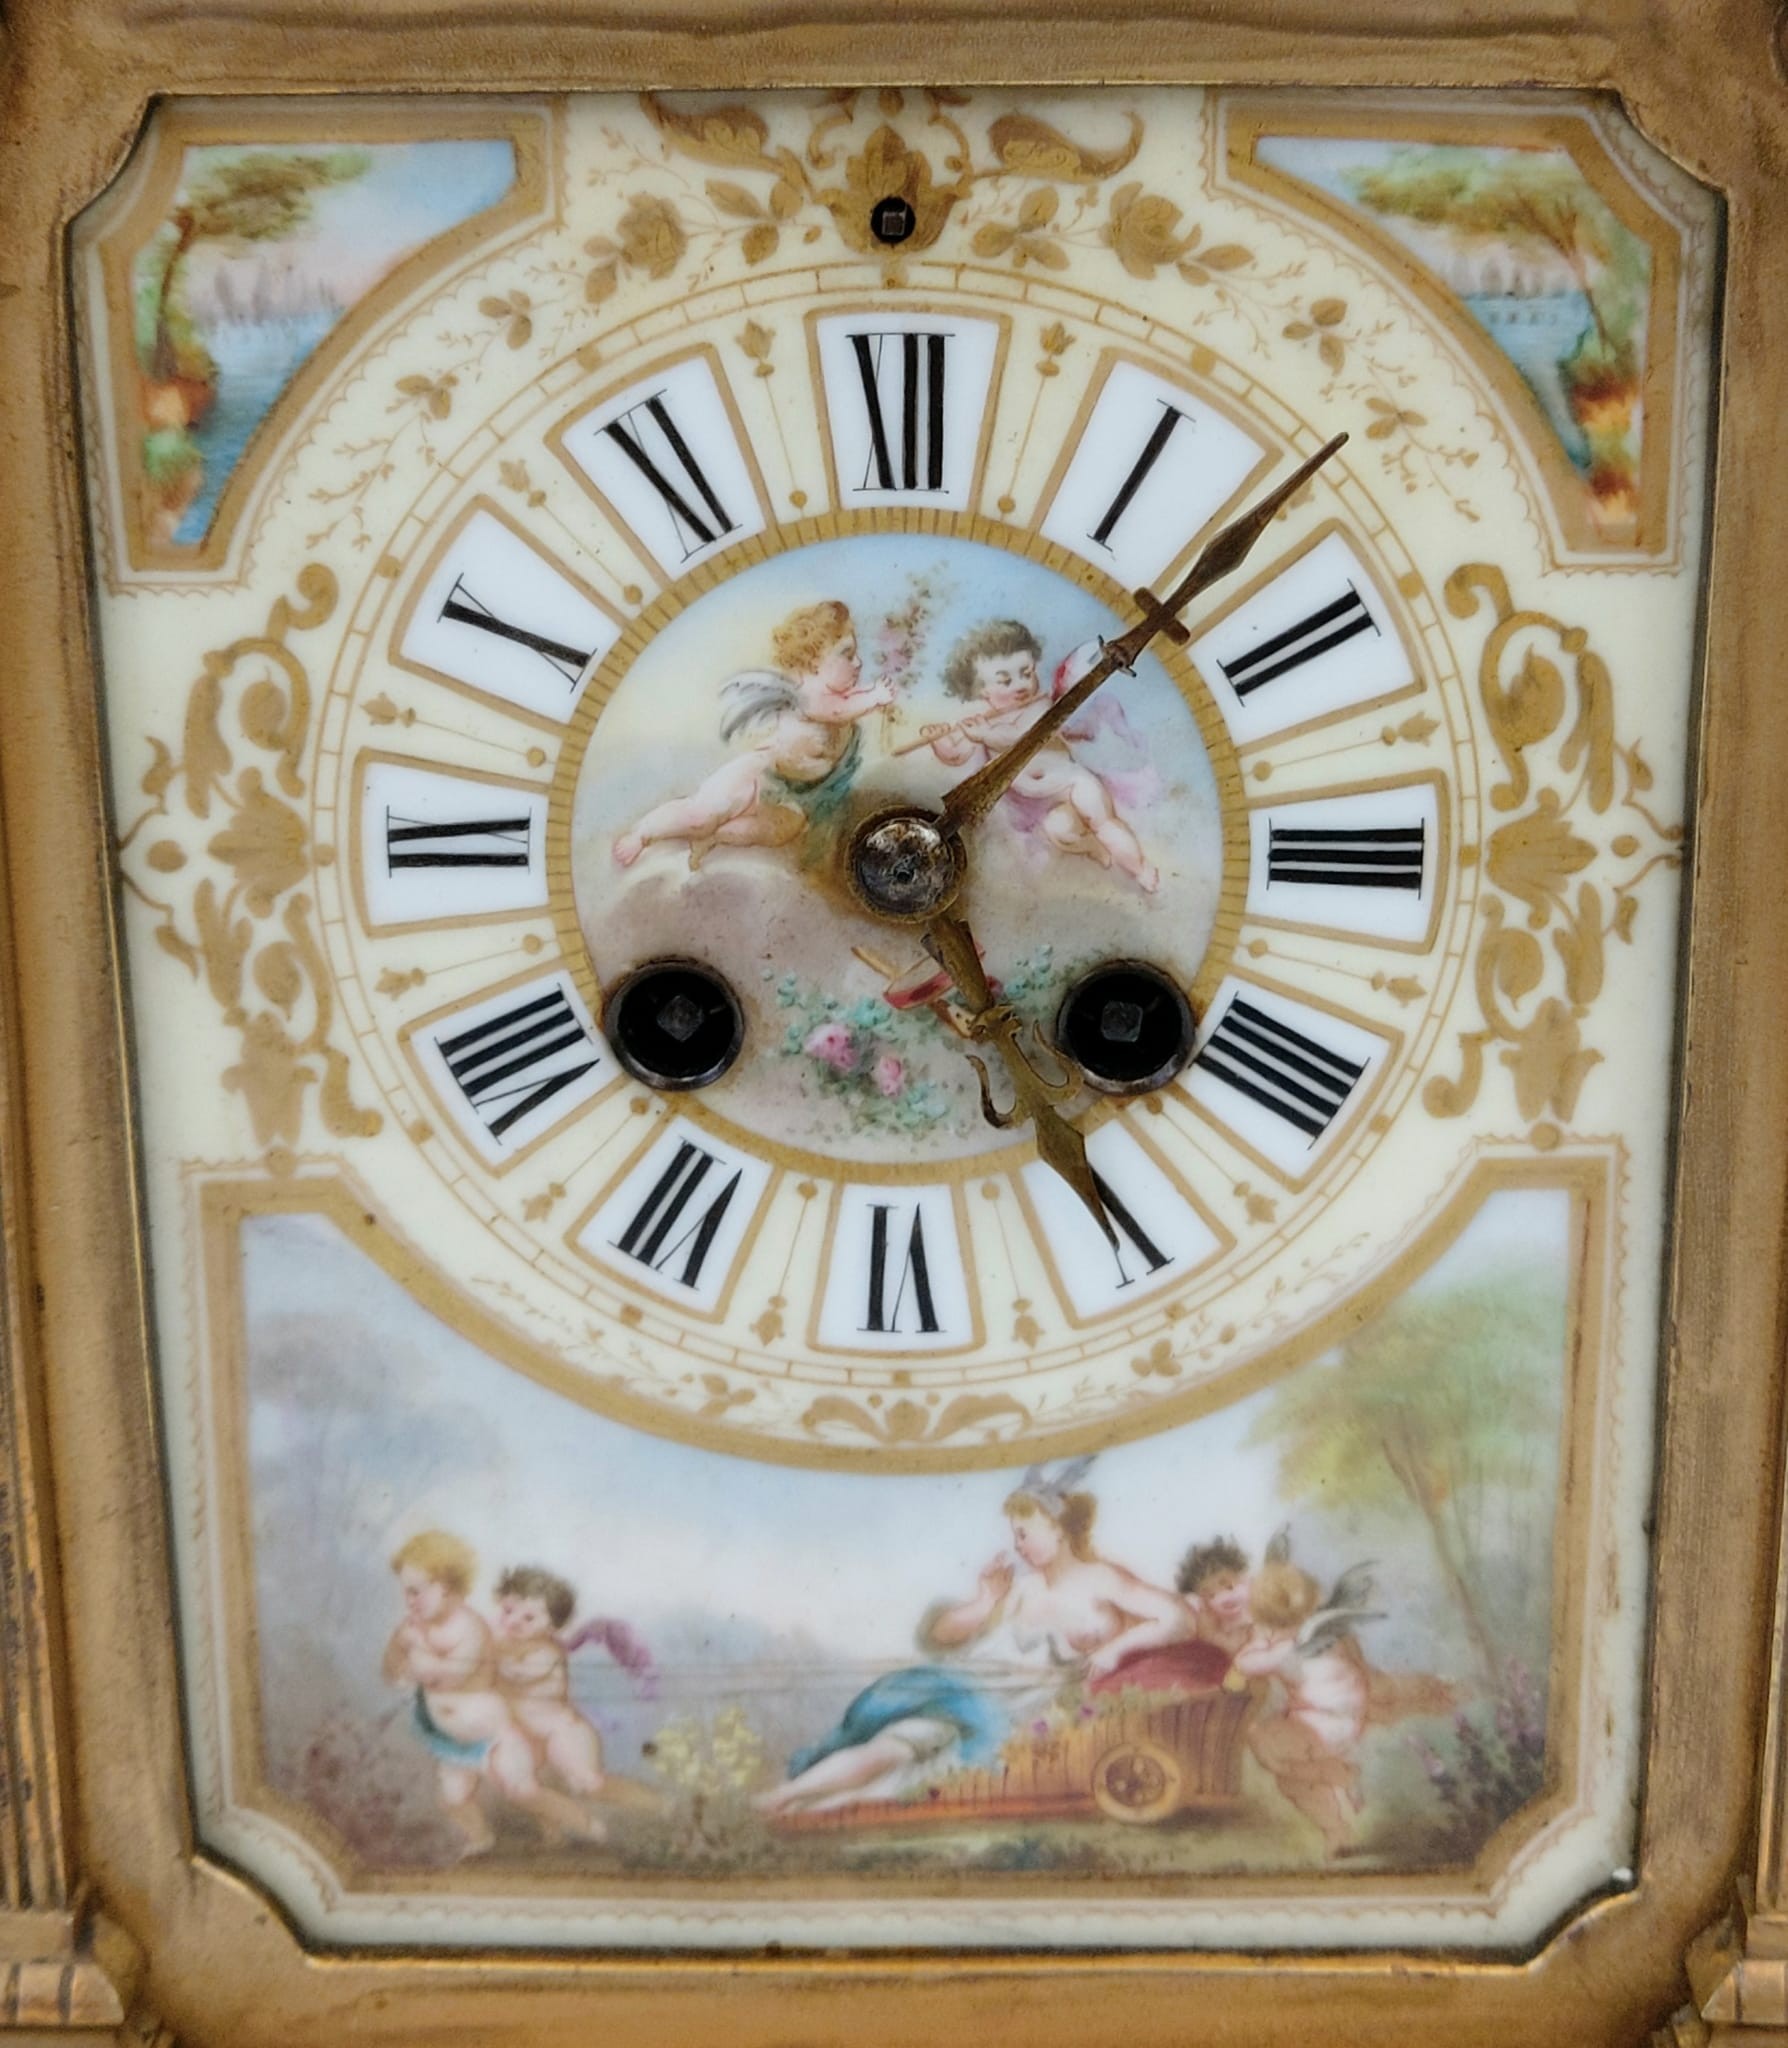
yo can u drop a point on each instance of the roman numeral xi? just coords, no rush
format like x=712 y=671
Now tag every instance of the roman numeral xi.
x=655 y=445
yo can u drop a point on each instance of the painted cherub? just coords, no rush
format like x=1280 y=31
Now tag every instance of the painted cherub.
x=443 y=1649
x=1325 y=1693
x=534 y=1673
x=802 y=719
x=1213 y=1581
x=996 y=668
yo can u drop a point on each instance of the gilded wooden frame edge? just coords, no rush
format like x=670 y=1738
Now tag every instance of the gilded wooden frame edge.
x=109 y=1926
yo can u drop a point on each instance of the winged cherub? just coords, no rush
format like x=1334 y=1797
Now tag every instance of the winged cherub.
x=800 y=722
x=1325 y=1693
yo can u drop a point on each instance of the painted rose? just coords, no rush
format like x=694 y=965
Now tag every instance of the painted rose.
x=890 y=1075
x=831 y=1043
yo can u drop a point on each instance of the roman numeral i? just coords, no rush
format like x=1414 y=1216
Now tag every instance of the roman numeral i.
x=1152 y=450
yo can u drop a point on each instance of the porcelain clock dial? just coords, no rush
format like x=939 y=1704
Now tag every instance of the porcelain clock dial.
x=642 y=597
x=826 y=802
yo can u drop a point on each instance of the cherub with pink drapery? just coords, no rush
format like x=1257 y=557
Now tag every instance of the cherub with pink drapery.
x=1058 y=797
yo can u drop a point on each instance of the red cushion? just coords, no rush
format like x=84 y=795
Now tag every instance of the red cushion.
x=1181 y=1667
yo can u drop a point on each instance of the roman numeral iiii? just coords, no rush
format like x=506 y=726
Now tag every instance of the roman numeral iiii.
x=1283 y=1070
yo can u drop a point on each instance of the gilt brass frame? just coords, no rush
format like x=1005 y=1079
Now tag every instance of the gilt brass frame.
x=112 y=1926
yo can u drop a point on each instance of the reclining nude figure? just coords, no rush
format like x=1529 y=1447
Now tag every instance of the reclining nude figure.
x=1060 y=1613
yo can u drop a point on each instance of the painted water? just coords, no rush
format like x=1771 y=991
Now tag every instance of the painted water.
x=256 y=360
x=1538 y=332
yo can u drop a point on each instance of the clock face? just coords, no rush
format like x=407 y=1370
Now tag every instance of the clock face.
x=534 y=540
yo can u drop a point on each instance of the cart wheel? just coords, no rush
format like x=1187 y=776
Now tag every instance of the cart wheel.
x=1138 y=1782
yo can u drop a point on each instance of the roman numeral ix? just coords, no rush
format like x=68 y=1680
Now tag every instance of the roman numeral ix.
x=883 y=1313
x=462 y=843
x=1310 y=638
x=921 y=465
x=654 y=1237
x=463 y=609
x=1293 y=1076
x=695 y=529
x=505 y=1066
x=1371 y=857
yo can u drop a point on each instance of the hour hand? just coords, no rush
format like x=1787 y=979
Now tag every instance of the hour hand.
x=1035 y=1095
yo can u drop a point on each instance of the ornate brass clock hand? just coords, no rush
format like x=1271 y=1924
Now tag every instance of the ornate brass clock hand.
x=975 y=795
x=1059 y=1144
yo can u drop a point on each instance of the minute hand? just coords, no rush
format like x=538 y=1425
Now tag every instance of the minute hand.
x=969 y=800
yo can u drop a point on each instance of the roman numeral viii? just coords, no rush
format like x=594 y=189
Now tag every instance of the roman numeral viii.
x=671 y=1225
x=462 y=608
x=653 y=442
x=914 y=461
x=1293 y=1076
x=1371 y=857
x=512 y=1063
x=459 y=843
x=1313 y=636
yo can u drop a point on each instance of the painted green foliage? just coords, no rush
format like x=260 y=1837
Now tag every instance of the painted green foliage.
x=1538 y=204
x=1444 y=1414
x=234 y=200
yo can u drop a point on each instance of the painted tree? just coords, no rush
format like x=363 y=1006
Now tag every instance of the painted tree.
x=1523 y=200
x=261 y=195
x=1447 y=1406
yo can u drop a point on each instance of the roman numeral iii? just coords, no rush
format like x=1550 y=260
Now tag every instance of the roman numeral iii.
x=1369 y=857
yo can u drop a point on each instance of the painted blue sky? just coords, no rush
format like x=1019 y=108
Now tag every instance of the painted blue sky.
x=436 y=1434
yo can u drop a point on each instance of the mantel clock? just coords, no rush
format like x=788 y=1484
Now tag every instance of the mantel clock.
x=872 y=1166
